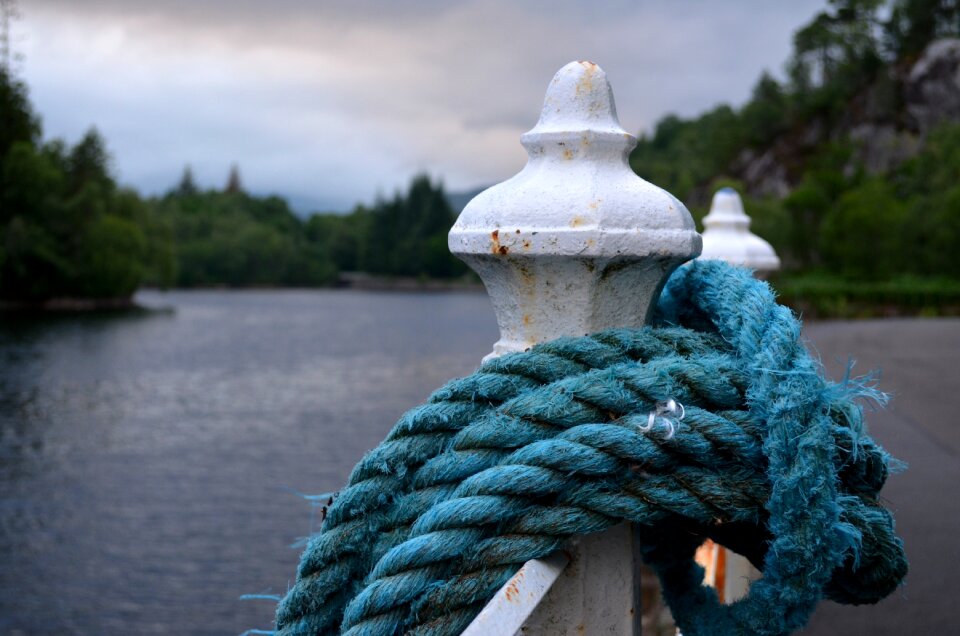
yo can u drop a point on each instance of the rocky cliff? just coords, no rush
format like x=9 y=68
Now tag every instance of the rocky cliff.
x=885 y=124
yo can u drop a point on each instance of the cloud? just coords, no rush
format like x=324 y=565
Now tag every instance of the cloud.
x=330 y=102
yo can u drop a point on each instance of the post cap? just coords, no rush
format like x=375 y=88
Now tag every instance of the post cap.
x=575 y=242
x=727 y=235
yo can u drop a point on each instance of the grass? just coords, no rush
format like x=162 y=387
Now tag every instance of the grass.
x=817 y=295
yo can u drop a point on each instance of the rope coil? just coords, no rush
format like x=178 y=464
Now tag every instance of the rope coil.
x=509 y=463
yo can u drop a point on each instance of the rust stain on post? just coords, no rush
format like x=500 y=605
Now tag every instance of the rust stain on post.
x=495 y=242
x=512 y=591
x=585 y=83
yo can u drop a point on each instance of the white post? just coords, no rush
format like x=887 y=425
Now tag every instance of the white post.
x=727 y=235
x=573 y=244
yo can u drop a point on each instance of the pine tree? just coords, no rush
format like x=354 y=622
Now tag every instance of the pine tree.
x=187 y=186
x=234 y=185
x=89 y=162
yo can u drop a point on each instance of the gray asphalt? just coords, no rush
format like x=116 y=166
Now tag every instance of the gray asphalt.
x=918 y=360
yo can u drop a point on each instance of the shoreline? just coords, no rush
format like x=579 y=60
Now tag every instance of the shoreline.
x=350 y=281
x=818 y=307
x=369 y=282
x=69 y=305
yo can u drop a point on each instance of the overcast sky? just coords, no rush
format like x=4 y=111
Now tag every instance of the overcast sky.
x=329 y=103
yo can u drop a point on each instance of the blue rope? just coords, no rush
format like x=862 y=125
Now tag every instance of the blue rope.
x=509 y=463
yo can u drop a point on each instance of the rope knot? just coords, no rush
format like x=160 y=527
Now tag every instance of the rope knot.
x=713 y=423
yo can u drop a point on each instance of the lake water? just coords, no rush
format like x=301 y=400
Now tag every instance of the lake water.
x=151 y=463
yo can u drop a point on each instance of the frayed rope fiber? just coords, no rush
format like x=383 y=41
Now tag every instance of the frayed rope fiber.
x=510 y=463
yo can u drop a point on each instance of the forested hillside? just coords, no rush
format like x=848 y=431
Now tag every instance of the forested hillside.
x=851 y=165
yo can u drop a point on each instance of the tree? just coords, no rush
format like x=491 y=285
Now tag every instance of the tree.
x=862 y=233
x=843 y=38
x=339 y=236
x=406 y=236
x=17 y=121
x=234 y=186
x=913 y=24
x=823 y=183
x=66 y=230
x=929 y=183
x=816 y=47
x=238 y=240
x=18 y=125
x=187 y=187
x=834 y=56
x=31 y=182
x=686 y=154
x=89 y=163
x=765 y=115
x=112 y=259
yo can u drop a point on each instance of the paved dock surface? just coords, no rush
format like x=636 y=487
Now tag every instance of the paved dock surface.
x=920 y=365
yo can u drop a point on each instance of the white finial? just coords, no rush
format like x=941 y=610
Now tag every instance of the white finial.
x=575 y=242
x=727 y=235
